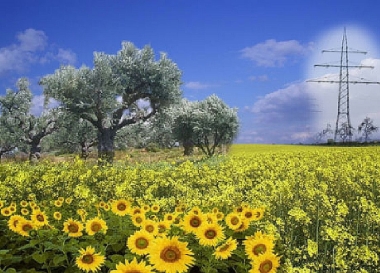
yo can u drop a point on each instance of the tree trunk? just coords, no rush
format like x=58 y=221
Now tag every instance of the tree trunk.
x=106 y=151
x=188 y=147
x=35 y=151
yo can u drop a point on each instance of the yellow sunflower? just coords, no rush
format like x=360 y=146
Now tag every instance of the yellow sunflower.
x=133 y=267
x=13 y=222
x=145 y=207
x=192 y=222
x=169 y=217
x=139 y=242
x=57 y=215
x=58 y=203
x=265 y=263
x=68 y=200
x=196 y=210
x=170 y=255
x=225 y=250
x=258 y=244
x=248 y=213
x=136 y=210
x=39 y=218
x=95 y=225
x=150 y=226
x=219 y=216
x=61 y=199
x=155 y=208
x=73 y=228
x=6 y=211
x=243 y=226
x=88 y=260
x=138 y=219
x=233 y=220
x=121 y=207
x=24 y=203
x=163 y=226
x=1 y=204
x=24 y=211
x=24 y=227
x=210 y=234
x=258 y=214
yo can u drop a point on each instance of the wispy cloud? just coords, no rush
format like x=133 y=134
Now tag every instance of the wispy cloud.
x=198 y=85
x=31 y=47
x=261 y=78
x=272 y=53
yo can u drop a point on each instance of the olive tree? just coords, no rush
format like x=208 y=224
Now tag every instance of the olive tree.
x=366 y=128
x=29 y=129
x=205 y=124
x=109 y=95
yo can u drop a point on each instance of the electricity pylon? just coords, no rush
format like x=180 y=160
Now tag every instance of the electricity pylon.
x=343 y=127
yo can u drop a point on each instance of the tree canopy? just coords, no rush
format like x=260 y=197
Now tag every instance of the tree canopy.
x=119 y=90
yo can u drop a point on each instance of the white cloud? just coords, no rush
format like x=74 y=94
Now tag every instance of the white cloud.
x=301 y=110
x=261 y=78
x=272 y=53
x=197 y=85
x=66 y=56
x=31 y=47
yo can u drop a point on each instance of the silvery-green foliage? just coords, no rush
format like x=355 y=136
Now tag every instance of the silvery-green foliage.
x=120 y=90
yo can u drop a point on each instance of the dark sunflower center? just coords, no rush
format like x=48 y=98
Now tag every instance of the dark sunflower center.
x=266 y=266
x=235 y=220
x=73 y=228
x=142 y=243
x=139 y=220
x=88 y=259
x=195 y=222
x=258 y=214
x=259 y=249
x=27 y=227
x=169 y=217
x=15 y=223
x=149 y=228
x=224 y=247
x=121 y=207
x=248 y=214
x=40 y=218
x=170 y=254
x=95 y=227
x=210 y=234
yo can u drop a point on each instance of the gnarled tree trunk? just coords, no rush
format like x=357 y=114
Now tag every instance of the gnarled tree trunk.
x=106 y=137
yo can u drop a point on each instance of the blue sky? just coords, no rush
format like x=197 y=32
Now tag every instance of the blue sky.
x=255 y=55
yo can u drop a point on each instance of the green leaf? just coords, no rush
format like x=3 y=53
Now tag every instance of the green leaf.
x=116 y=258
x=39 y=258
x=59 y=259
x=11 y=270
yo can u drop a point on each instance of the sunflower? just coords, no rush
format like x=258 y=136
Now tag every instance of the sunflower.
x=219 y=216
x=155 y=208
x=13 y=222
x=248 y=213
x=24 y=211
x=24 y=203
x=224 y=251
x=82 y=213
x=57 y=215
x=265 y=263
x=233 y=220
x=192 y=222
x=169 y=217
x=243 y=226
x=58 y=203
x=24 y=227
x=68 y=200
x=150 y=226
x=106 y=207
x=88 y=260
x=39 y=218
x=133 y=267
x=138 y=219
x=136 y=210
x=121 y=207
x=73 y=228
x=96 y=225
x=258 y=214
x=101 y=204
x=6 y=211
x=1 y=204
x=170 y=255
x=139 y=242
x=196 y=210
x=145 y=208
x=163 y=226
x=210 y=234
x=258 y=244
x=61 y=199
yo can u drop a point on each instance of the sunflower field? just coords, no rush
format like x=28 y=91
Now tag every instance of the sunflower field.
x=259 y=209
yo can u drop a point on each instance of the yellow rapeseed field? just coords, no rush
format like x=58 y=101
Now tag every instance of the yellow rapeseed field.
x=260 y=208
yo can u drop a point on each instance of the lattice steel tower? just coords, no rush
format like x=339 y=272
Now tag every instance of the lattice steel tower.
x=343 y=128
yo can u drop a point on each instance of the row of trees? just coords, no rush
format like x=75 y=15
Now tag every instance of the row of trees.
x=365 y=129
x=124 y=96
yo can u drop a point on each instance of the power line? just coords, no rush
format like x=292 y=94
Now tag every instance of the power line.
x=343 y=128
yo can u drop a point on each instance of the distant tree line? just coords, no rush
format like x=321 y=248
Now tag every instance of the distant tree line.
x=126 y=100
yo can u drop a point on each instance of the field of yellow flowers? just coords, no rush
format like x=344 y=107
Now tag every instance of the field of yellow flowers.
x=261 y=208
